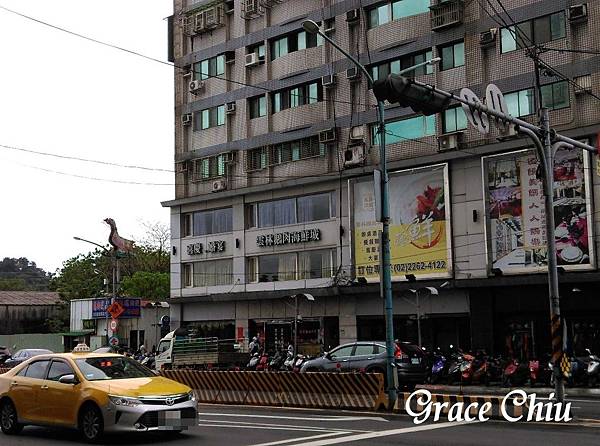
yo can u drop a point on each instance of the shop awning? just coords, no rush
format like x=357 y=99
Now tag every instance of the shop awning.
x=74 y=334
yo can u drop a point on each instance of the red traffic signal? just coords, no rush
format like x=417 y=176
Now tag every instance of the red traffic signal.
x=402 y=90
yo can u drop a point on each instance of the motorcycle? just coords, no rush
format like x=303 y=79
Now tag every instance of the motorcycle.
x=276 y=363
x=299 y=361
x=263 y=363
x=253 y=362
x=288 y=364
x=438 y=367
x=515 y=374
x=593 y=369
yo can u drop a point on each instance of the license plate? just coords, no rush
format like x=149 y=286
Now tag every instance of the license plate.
x=415 y=361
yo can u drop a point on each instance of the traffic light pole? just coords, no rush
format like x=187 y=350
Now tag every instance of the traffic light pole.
x=385 y=274
x=543 y=138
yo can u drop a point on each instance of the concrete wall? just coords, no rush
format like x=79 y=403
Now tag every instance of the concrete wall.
x=50 y=341
x=15 y=319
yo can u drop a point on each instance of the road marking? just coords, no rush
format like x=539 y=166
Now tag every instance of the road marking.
x=294 y=440
x=314 y=428
x=366 y=436
x=325 y=418
x=273 y=428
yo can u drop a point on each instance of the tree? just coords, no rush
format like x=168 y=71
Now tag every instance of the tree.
x=147 y=285
x=22 y=275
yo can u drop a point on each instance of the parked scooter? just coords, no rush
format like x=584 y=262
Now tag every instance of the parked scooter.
x=593 y=369
x=438 y=367
x=276 y=363
x=299 y=361
x=516 y=373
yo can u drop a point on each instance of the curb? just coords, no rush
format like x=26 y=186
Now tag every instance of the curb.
x=494 y=391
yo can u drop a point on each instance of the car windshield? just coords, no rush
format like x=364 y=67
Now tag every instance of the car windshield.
x=115 y=367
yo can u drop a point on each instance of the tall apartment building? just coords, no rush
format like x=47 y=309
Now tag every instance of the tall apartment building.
x=275 y=148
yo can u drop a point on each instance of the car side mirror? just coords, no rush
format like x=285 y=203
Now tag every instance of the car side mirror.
x=68 y=379
x=327 y=355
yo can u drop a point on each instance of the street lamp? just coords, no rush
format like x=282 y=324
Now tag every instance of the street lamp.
x=310 y=298
x=385 y=276
x=433 y=291
x=115 y=273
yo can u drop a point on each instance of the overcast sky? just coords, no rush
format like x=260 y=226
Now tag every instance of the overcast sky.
x=65 y=95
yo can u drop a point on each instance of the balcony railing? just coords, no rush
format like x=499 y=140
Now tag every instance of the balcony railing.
x=446 y=13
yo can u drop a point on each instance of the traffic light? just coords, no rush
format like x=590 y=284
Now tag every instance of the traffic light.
x=404 y=91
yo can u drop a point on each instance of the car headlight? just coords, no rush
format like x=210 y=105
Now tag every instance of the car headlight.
x=191 y=396
x=124 y=401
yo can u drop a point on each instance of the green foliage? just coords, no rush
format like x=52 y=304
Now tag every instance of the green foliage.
x=147 y=285
x=22 y=275
x=15 y=284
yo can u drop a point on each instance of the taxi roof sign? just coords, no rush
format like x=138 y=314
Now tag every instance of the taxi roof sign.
x=81 y=348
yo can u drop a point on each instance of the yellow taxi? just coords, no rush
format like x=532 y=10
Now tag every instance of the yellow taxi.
x=93 y=392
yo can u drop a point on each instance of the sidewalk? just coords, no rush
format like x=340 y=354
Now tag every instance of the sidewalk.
x=580 y=392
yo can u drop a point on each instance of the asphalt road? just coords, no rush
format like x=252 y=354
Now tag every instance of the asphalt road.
x=256 y=426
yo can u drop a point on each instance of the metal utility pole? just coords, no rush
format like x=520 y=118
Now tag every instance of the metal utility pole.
x=385 y=273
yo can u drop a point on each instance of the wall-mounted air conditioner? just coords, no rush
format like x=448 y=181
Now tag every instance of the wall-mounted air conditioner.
x=488 y=38
x=186 y=119
x=449 y=141
x=328 y=80
x=578 y=13
x=352 y=16
x=230 y=108
x=354 y=155
x=219 y=185
x=252 y=59
x=196 y=86
x=327 y=135
x=352 y=73
x=357 y=133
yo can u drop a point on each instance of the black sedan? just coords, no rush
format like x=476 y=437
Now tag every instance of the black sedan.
x=23 y=355
x=370 y=357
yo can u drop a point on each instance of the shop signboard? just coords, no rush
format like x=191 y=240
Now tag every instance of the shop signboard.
x=131 y=308
x=420 y=241
x=516 y=217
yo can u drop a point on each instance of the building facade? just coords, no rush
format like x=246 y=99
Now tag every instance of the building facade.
x=275 y=147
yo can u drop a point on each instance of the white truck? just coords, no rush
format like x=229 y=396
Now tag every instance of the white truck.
x=192 y=352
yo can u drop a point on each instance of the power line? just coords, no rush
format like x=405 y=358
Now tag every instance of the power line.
x=87 y=160
x=163 y=62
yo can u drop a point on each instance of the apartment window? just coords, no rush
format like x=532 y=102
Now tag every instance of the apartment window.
x=277 y=213
x=299 y=40
x=210 y=117
x=454 y=119
x=381 y=71
x=213 y=272
x=258 y=49
x=291 y=210
x=215 y=66
x=395 y=10
x=285 y=152
x=453 y=55
x=188 y=275
x=292 y=266
x=406 y=129
x=314 y=207
x=215 y=221
x=520 y=103
x=555 y=96
x=209 y=168
x=257 y=106
x=297 y=96
x=316 y=264
x=533 y=32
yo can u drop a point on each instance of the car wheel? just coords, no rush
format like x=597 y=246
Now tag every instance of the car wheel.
x=91 y=424
x=8 y=418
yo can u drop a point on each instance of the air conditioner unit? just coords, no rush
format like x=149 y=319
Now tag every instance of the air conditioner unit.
x=196 y=86
x=229 y=7
x=230 y=108
x=181 y=167
x=449 y=141
x=352 y=73
x=199 y=25
x=329 y=30
x=250 y=7
x=328 y=80
x=357 y=133
x=578 y=13
x=352 y=16
x=327 y=135
x=213 y=17
x=219 y=185
x=584 y=84
x=252 y=59
x=186 y=119
x=353 y=156
x=488 y=38
x=509 y=132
